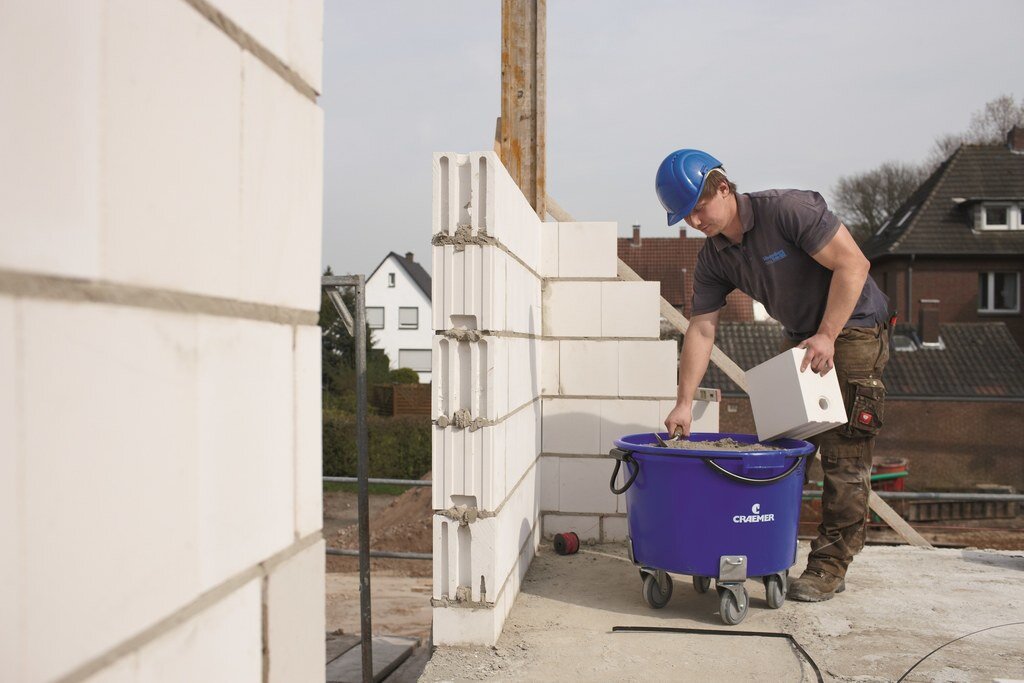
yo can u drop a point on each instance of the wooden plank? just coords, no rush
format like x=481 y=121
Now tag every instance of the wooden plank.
x=897 y=523
x=523 y=91
x=388 y=653
x=737 y=375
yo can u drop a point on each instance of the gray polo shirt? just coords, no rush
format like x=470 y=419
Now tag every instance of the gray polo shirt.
x=773 y=264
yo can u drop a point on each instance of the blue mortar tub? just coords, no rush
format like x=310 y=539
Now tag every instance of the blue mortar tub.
x=687 y=509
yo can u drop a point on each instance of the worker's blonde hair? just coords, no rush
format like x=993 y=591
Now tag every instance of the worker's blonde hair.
x=716 y=177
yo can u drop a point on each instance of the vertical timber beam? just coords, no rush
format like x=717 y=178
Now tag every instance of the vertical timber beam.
x=523 y=91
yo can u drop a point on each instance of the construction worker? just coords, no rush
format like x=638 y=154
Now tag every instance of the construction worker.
x=785 y=249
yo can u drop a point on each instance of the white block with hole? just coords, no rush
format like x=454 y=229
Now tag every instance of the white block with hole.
x=788 y=403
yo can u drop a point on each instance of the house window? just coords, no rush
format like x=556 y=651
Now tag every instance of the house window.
x=375 y=317
x=999 y=292
x=391 y=279
x=415 y=359
x=408 y=318
x=1001 y=216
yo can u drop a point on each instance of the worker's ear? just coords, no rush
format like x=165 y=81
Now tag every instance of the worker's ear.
x=723 y=188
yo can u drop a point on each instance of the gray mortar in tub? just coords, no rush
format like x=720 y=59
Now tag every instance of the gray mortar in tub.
x=727 y=444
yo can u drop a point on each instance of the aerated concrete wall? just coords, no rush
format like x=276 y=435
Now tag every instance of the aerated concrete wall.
x=160 y=217
x=542 y=358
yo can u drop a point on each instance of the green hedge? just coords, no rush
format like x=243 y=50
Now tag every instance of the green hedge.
x=399 y=446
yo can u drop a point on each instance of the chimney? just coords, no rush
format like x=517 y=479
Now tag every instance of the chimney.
x=636 y=235
x=928 y=321
x=1015 y=139
x=408 y=256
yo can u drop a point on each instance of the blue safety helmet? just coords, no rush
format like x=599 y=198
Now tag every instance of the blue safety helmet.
x=680 y=180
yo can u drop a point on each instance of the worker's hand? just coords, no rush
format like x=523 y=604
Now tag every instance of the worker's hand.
x=820 y=353
x=678 y=421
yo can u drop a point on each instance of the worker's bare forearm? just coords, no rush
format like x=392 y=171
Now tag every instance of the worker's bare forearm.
x=693 y=361
x=847 y=284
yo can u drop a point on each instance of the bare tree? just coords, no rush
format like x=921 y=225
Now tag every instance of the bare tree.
x=864 y=201
x=988 y=126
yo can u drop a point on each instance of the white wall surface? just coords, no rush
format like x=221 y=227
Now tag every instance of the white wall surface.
x=160 y=198
x=406 y=293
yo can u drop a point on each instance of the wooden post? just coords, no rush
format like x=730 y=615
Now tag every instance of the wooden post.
x=523 y=90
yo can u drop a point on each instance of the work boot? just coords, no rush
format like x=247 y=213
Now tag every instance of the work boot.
x=815 y=585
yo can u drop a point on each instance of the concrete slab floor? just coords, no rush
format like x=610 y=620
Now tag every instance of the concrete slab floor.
x=900 y=604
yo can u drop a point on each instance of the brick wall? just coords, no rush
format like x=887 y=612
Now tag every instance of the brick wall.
x=950 y=444
x=954 y=282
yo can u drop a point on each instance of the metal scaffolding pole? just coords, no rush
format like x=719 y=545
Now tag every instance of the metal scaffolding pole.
x=331 y=284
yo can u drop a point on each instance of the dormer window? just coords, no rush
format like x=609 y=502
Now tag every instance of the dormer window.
x=1000 y=216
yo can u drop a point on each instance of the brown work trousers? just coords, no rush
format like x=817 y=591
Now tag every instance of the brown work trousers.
x=860 y=357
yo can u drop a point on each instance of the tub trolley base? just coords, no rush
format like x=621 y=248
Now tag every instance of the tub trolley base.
x=682 y=507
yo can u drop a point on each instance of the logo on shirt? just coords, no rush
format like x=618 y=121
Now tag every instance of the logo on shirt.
x=772 y=258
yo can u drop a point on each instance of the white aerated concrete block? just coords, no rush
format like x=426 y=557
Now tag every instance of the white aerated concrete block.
x=474 y=559
x=549 y=367
x=522 y=443
x=107 y=427
x=572 y=309
x=222 y=643
x=630 y=309
x=468 y=467
x=523 y=300
x=246 y=446
x=10 y=485
x=588 y=368
x=549 y=482
x=587 y=527
x=647 y=368
x=788 y=402
x=588 y=250
x=549 y=249
x=171 y=172
x=308 y=432
x=474 y=193
x=572 y=426
x=482 y=626
x=524 y=371
x=306 y=41
x=620 y=418
x=295 y=617
x=470 y=287
x=282 y=191
x=266 y=21
x=583 y=485
x=472 y=376
x=50 y=137
x=614 y=529
x=292 y=30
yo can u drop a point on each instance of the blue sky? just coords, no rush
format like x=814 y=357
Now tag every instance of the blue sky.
x=786 y=94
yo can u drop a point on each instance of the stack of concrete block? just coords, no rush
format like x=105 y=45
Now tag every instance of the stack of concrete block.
x=789 y=404
x=160 y=476
x=606 y=374
x=486 y=404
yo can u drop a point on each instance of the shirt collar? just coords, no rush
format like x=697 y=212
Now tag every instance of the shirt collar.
x=746 y=220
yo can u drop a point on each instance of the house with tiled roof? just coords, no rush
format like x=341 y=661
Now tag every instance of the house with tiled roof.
x=671 y=261
x=398 y=294
x=954 y=251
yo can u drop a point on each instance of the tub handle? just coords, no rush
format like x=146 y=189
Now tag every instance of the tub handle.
x=751 y=480
x=633 y=466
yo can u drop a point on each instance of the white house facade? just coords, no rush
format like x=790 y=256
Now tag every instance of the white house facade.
x=398 y=312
